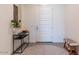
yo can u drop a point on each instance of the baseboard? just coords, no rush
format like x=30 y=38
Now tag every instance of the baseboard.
x=44 y=42
x=51 y=42
x=6 y=53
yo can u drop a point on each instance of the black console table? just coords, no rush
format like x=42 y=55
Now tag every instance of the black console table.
x=20 y=36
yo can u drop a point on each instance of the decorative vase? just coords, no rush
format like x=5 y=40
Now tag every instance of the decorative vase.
x=16 y=30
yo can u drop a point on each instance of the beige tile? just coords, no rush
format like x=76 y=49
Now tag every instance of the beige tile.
x=44 y=49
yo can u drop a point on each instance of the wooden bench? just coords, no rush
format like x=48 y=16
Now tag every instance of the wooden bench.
x=70 y=46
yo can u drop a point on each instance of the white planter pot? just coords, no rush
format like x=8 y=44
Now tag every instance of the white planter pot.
x=16 y=30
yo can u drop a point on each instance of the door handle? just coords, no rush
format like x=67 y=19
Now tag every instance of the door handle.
x=37 y=28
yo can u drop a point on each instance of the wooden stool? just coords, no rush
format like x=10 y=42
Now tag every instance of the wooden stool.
x=70 y=46
x=73 y=50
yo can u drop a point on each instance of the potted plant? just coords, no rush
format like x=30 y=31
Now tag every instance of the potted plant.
x=15 y=25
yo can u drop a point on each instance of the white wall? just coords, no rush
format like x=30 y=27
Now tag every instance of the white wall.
x=72 y=22
x=6 y=15
x=30 y=17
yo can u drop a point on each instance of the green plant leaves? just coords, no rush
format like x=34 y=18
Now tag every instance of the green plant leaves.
x=15 y=23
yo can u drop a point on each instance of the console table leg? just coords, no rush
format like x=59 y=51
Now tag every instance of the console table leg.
x=21 y=46
x=28 y=39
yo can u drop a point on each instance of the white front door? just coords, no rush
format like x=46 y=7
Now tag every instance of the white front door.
x=45 y=24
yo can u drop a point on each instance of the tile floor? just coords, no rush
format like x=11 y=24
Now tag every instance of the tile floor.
x=45 y=49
